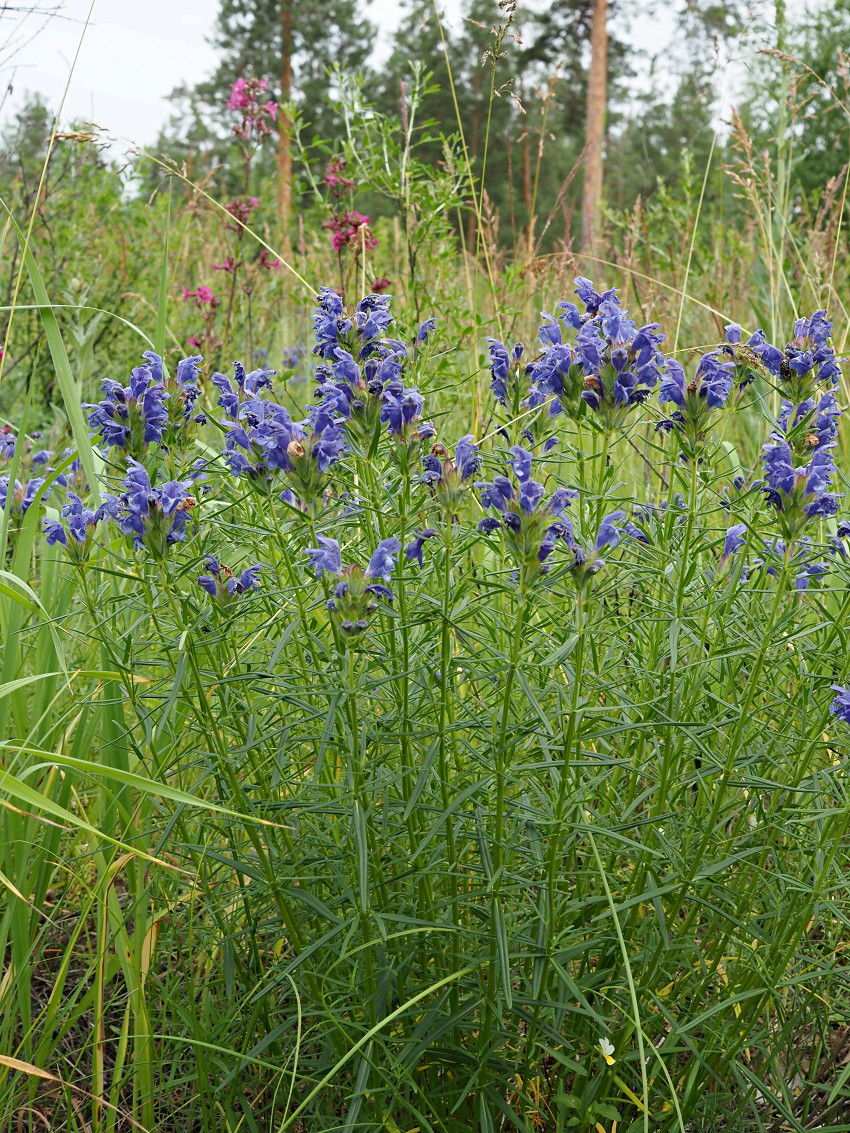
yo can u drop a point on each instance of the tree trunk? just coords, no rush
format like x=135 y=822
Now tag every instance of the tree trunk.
x=591 y=212
x=284 y=146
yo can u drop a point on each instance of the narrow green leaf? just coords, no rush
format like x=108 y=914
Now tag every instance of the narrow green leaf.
x=61 y=365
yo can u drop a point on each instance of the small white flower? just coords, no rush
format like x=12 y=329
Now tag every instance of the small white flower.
x=607 y=1049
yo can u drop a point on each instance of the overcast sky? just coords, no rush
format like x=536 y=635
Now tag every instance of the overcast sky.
x=135 y=52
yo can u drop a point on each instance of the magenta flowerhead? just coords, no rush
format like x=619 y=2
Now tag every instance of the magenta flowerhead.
x=249 y=98
x=337 y=179
x=350 y=229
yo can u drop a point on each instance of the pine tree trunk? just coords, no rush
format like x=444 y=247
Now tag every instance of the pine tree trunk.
x=595 y=129
x=284 y=147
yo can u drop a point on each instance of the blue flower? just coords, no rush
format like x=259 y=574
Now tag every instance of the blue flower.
x=155 y=517
x=384 y=559
x=54 y=532
x=7 y=443
x=555 y=374
x=499 y=367
x=736 y=537
x=621 y=362
x=135 y=415
x=426 y=330
x=353 y=600
x=550 y=332
x=467 y=457
x=400 y=407
x=840 y=706
x=692 y=421
x=520 y=461
x=372 y=317
x=714 y=379
x=448 y=478
x=609 y=534
x=673 y=383
x=799 y=561
x=325 y=557
x=531 y=531
x=809 y=356
x=414 y=548
x=329 y=323
x=221 y=582
x=798 y=463
x=209 y=582
x=590 y=297
x=769 y=356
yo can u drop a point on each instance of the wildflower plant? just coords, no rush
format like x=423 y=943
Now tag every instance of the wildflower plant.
x=531 y=528
x=457 y=713
x=693 y=423
x=622 y=363
x=356 y=595
x=798 y=463
x=154 y=516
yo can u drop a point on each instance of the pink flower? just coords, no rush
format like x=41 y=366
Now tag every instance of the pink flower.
x=351 y=228
x=194 y=341
x=258 y=113
x=228 y=265
x=335 y=177
x=239 y=99
x=241 y=209
x=380 y=285
x=203 y=294
x=265 y=261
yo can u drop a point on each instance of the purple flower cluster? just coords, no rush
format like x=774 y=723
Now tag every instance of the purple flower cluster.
x=8 y=440
x=750 y=357
x=262 y=439
x=807 y=362
x=79 y=526
x=23 y=494
x=798 y=462
x=134 y=416
x=333 y=328
x=502 y=366
x=840 y=706
x=155 y=516
x=530 y=527
x=357 y=393
x=713 y=382
x=809 y=355
x=692 y=419
x=610 y=364
x=797 y=558
x=621 y=363
x=448 y=477
x=222 y=583
x=353 y=600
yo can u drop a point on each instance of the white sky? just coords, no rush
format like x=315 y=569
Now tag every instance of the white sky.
x=135 y=52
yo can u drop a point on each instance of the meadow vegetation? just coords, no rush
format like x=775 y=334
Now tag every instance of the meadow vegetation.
x=424 y=692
